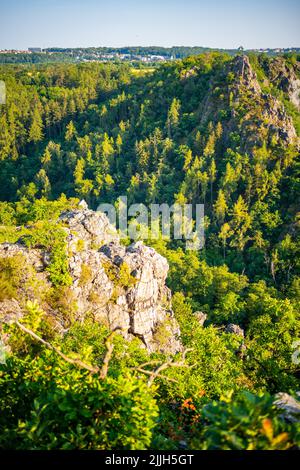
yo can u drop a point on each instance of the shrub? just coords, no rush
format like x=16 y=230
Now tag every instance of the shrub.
x=52 y=237
x=120 y=276
x=86 y=275
x=74 y=410
x=247 y=422
x=11 y=275
x=80 y=245
x=63 y=300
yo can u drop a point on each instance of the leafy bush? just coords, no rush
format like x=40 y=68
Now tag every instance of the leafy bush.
x=60 y=407
x=247 y=422
x=51 y=236
x=12 y=271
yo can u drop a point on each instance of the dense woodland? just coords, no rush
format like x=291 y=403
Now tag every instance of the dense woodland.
x=198 y=130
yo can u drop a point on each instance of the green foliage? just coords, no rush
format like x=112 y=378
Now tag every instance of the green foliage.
x=119 y=275
x=62 y=299
x=118 y=413
x=58 y=269
x=189 y=131
x=86 y=275
x=12 y=273
x=37 y=321
x=245 y=422
x=216 y=366
x=163 y=333
x=80 y=245
x=271 y=334
x=51 y=236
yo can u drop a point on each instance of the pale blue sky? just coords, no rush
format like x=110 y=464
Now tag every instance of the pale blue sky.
x=212 y=23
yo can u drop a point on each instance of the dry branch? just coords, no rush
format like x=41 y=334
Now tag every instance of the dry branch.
x=77 y=362
x=103 y=371
x=109 y=350
x=154 y=374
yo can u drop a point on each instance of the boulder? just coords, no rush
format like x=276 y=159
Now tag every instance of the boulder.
x=235 y=329
x=201 y=317
x=120 y=286
x=9 y=311
x=289 y=405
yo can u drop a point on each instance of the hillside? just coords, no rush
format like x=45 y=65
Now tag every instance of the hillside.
x=203 y=334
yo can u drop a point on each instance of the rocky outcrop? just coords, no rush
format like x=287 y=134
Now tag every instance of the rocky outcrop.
x=201 y=317
x=256 y=117
x=93 y=228
x=10 y=311
x=279 y=123
x=245 y=75
x=235 y=329
x=286 y=77
x=289 y=405
x=273 y=117
x=120 y=286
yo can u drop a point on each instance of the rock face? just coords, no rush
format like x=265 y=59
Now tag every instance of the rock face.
x=286 y=77
x=120 y=286
x=10 y=310
x=201 y=317
x=93 y=228
x=289 y=405
x=235 y=329
x=245 y=75
x=259 y=117
x=274 y=117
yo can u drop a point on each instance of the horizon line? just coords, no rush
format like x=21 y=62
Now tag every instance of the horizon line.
x=149 y=46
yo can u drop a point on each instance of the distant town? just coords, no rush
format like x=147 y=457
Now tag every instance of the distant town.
x=88 y=55
x=151 y=54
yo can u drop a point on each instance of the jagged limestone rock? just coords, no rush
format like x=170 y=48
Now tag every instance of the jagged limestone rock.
x=289 y=405
x=120 y=286
x=201 y=317
x=259 y=110
x=235 y=329
x=10 y=311
x=93 y=228
x=275 y=118
x=245 y=75
x=286 y=77
x=83 y=205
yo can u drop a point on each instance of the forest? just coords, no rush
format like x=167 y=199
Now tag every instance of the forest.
x=217 y=129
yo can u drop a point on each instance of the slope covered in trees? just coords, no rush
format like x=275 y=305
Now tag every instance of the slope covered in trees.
x=211 y=129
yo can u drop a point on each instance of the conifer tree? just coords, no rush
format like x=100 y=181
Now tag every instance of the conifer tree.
x=36 y=127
